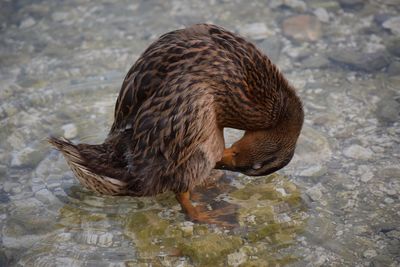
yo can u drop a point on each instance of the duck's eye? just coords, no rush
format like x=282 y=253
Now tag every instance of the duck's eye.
x=257 y=166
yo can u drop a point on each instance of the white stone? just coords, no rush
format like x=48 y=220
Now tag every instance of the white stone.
x=358 y=152
x=59 y=16
x=70 y=130
x=7 y=186
x=283 y=218
x=27 y=23
x=236 y=258
x=393 y=24
x=256 y=31
x=322 y=14
x=315 y=192
x=370 y=253
x=187 y=228
x=296 y=4
x=105 y=240
x=282 y=191
x=312 y=171
x=365 y=173
x=22 y=157
x=45 y=196
x=388 y=200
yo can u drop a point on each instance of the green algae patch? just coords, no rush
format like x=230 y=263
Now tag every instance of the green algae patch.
x=152 y=234
x=210 y=250
x=70 y=215
x=270 y=215
x=263 y=232
x=265 y=261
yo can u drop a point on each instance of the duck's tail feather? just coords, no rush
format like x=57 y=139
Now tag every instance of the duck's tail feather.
x=92 y=177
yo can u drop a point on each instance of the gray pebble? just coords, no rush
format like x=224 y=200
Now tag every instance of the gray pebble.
x=358 y=152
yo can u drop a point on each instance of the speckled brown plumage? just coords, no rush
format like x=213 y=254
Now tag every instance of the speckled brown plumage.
x=173 y=105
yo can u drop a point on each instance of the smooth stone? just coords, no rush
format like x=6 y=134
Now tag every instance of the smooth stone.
x=352 y=4
x=358 y=152
x=356 y=60
x=12 y=239
x=28 y=157
x=380 y=18
x=365 y=173
x=59 y=16
x=27 y=23
x=187 y=228
x=315 y=62
x=302 y=28
x=237 y=258
x=17 y=140
x=316 y=192
x=295 y=4
x=370 y=253
x=394 y=68
x=332 y=6
x=322 y=14
x=312 y=149
x=98 y=238
x=313 y=171
x=388 y=200
x=255 y=31
x=393 y=24
x=393 y=46
x=45 y=196
x=209 y=249
x=3 y=169
x=70 y=130
x=381 y=260
x=389 y=109
x=8 y=186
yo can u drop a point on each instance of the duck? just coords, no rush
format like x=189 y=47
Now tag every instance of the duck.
x=169 y=117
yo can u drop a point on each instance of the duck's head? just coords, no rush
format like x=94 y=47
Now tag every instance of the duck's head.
x=259 y=153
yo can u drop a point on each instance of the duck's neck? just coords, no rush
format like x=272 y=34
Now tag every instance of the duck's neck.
x=278 y=107
x=291 y=116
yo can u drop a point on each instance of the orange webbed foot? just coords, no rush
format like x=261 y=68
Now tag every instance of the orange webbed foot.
x=200 y=213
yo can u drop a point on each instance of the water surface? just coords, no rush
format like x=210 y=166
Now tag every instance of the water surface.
x=336 y=204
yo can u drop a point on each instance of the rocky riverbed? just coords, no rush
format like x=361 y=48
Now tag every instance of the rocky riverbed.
x=336 y=204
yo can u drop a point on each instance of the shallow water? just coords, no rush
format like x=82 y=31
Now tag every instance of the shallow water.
x=336 y=204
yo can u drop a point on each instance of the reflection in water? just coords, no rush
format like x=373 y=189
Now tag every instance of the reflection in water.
x=268 y=214
x=336 y=203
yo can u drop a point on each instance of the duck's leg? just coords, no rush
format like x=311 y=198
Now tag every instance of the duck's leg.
x=196 y=214
x=187 y=206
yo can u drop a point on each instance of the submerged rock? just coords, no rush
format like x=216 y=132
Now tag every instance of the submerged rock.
x=393 y=46
x=358 y=152
x=255 y=31
x=210 y=249
x=352 y=4
x=388 y=110
x=237 y=258
x=393 y=24
x=70 y=130
x=27 y=23
x=28 y=157
x=356 y=60
x=302 y=28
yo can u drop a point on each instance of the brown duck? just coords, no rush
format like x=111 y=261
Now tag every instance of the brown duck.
x=170 y=114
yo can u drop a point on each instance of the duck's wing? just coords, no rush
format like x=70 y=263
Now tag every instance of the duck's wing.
x=169 y=131
x=145 y=77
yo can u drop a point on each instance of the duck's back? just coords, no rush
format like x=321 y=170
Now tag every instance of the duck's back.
x=202 y=53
